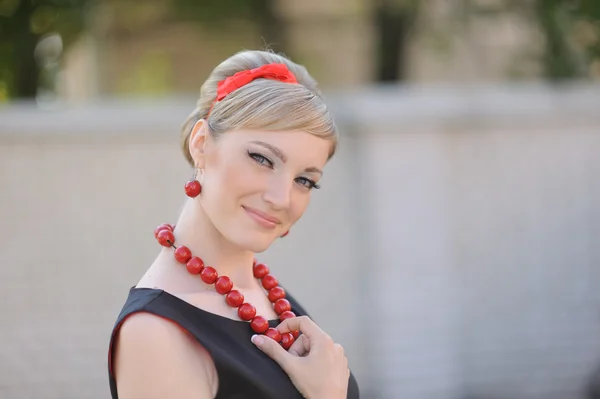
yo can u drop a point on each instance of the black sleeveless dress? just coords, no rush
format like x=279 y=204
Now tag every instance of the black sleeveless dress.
x=244 y=372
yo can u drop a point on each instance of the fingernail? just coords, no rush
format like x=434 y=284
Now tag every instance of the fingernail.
x=257 y=339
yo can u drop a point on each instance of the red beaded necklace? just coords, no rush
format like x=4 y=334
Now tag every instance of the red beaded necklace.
x=234 y=298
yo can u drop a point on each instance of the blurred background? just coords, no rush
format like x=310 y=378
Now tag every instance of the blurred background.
x=454 y=249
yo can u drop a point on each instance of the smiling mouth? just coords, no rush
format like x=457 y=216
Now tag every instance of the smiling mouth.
x=262 y=218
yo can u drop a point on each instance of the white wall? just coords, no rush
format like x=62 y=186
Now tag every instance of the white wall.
x=459 y=227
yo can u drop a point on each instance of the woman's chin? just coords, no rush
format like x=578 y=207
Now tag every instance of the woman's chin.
x=254 y=244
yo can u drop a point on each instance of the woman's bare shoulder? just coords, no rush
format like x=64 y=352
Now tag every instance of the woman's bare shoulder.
x=156 y=358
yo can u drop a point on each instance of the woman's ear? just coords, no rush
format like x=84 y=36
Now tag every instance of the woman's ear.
x=197 y=143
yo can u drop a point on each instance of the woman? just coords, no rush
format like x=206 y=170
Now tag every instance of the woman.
x=206 y=320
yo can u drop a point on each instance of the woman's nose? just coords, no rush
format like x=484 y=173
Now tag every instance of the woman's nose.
x=279 y=193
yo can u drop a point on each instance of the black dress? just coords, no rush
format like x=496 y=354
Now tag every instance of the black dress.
x=243 y=370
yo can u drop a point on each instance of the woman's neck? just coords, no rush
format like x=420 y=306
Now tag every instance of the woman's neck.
x=196 y=231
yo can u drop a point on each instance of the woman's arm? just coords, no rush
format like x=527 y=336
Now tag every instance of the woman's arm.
x=154 y=358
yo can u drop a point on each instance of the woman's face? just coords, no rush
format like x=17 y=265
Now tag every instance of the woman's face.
x=256 y=184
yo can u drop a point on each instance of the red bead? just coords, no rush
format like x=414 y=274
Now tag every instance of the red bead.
x=282 y=305
x=287 y=339
x=183 y=254
x=209 y=275
x=269 y=281
x=246 y=311
x=296 y=334
x=223 y=285
x=193 y=188
x=259 y=324
x=234 y=298
x=164 y=226
x=194 y=265
x=260 y=270
x=276 y=293
x=165 y=238
x=273 y=333
x=286 y=315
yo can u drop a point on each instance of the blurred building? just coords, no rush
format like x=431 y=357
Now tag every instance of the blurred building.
x=139 y=49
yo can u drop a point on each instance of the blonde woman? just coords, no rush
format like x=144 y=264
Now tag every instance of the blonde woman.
x=207 y=320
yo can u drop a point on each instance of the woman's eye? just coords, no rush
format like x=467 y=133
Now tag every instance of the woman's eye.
x=264 y=161
x=308 y=183
x=261 y=159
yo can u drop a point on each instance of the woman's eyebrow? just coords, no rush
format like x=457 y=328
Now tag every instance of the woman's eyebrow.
x=282 y=156
x=274 y=149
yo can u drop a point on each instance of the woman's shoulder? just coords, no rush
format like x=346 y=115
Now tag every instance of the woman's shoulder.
x=147 y=344
x=149 y=348
x=137 y=299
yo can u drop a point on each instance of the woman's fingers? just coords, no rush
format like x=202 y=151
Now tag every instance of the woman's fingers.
x=315 y=363
x=273 y=349
x=306 y=326
x=300 y=347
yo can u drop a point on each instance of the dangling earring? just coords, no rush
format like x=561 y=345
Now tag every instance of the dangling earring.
x=193 y=188
x=285 y=234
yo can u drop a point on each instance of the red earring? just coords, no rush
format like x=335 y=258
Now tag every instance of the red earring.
x=193 y=188
x=285 y=234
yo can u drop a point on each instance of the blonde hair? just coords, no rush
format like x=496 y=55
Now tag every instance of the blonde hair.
x=264 y=104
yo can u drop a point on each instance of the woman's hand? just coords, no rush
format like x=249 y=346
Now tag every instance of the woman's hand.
x=316 y=365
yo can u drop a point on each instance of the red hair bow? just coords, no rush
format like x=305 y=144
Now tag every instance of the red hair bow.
x=269 y=71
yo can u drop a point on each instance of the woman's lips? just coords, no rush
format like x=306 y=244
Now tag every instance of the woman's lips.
x=262 y=218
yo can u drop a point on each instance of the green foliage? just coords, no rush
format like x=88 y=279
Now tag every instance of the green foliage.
x=588 y=11
x=572 y=33
x=22 y=24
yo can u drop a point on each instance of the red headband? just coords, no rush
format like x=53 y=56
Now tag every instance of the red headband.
x=278 y=72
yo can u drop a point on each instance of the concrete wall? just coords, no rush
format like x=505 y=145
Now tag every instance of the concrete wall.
x=460 y=226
